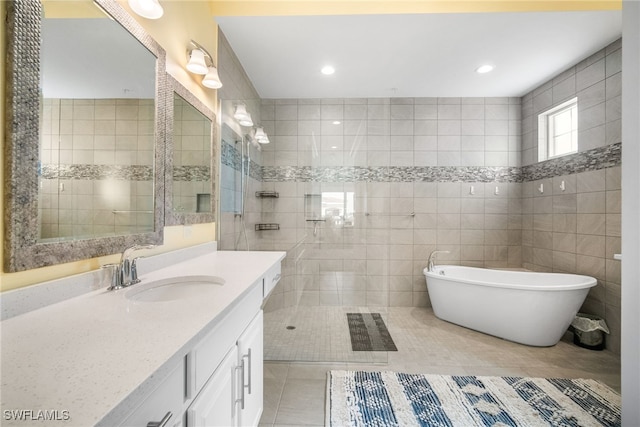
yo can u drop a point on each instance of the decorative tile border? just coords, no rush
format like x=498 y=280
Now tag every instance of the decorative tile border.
x=191 y=173
x=97 y=172
x=596 y=159
x=231 y=157
x=122 y=173
x=390 y=174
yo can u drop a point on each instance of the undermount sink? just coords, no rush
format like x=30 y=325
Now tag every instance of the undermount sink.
x=173 y=288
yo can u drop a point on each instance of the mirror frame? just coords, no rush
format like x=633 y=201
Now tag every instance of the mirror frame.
x=22 y=250
x=185 y=218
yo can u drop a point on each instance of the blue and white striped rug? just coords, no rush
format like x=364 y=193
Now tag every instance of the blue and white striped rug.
x=357 y=398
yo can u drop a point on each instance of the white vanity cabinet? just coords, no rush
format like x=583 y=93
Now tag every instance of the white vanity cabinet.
x=220 y=380
x=232 y=396
x=250 y=358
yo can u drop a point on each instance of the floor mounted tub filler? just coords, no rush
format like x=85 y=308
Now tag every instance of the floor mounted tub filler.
x=525 y=307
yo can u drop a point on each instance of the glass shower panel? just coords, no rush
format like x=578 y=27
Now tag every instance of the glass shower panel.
x=340 y=261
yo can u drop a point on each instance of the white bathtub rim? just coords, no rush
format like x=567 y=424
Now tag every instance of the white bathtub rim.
x=582 y=281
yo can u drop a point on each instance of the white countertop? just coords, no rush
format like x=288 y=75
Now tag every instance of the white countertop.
x=88 y=354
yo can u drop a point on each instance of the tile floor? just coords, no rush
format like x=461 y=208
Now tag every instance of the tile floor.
x=294 y=391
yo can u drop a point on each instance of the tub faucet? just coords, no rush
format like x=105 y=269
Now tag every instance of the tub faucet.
x=432 y=258
x=125 y=273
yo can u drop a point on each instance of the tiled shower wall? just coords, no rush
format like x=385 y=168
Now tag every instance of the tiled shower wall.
x=97 y=167
x=576 y=229
x=235 y=232
x=425 y=173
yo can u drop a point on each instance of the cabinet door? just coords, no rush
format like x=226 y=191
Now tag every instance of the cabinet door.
x=216 y=405
x=250 y=355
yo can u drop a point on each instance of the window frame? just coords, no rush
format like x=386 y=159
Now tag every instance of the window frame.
x=546 y=139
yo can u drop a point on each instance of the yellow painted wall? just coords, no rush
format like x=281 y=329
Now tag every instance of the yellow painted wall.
x=182 y=21
x=349 y=7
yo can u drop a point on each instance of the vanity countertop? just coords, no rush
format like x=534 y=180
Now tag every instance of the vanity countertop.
x=88 y=356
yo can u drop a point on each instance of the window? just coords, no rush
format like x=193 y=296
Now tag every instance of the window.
x=558 y=130
x=338 y=208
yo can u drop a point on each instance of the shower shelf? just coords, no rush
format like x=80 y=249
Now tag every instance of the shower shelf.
x=267 y=194
x=261 y=227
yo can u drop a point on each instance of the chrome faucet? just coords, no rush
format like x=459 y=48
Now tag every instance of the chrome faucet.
x=125 y=273
x=432 y=258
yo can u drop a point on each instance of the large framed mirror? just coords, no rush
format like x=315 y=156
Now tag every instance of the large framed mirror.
x=190 y=160
x=85 y=137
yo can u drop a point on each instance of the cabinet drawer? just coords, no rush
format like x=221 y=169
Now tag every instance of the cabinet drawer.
x=212 y=349
x=169 y=396
x=271 y=279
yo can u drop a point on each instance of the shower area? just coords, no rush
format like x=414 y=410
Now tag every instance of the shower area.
x=342 y=237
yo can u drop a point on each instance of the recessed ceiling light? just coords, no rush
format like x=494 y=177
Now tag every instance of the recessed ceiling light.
x=327 y=70
x=484 y=69
x=337 y=122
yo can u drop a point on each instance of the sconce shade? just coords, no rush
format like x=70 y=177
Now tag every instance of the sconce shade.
x=261 y=136
x=246 y=121
x=241 y=111
x=150 y=9
x=242 y=116
x=197 y=64
x=212 y=80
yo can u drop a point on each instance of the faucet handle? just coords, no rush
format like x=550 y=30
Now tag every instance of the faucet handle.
x=115 y=275
x=134 y=271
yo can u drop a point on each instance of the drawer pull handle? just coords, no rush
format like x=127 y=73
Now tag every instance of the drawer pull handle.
x=248 y=356
x=162 y=423
x=241 y=369
x=276 y=277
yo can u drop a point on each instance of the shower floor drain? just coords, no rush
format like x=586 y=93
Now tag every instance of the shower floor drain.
x=291 y=327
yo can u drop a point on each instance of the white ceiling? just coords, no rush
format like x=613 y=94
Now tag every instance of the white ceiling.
x=418 y=55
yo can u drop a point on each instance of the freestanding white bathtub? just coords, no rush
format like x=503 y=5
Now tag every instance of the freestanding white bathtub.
x=526 y=307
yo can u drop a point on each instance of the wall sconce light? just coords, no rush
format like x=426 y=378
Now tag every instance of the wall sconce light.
x=150 y=9
x=200 y=62
x=211 y=79
x=242 y=115
x=261 y=136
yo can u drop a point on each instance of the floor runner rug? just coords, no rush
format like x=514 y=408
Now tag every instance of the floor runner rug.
x=358 y=398
x=369 y=333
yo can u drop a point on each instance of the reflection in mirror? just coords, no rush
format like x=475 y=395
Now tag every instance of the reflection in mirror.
x=189 y=182
x=191 y=158
x=96 y=129
x=85 y=138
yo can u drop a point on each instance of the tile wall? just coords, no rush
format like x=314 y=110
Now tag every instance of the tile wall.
x=577 y=229
x=97 y=167
x=425 y=173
